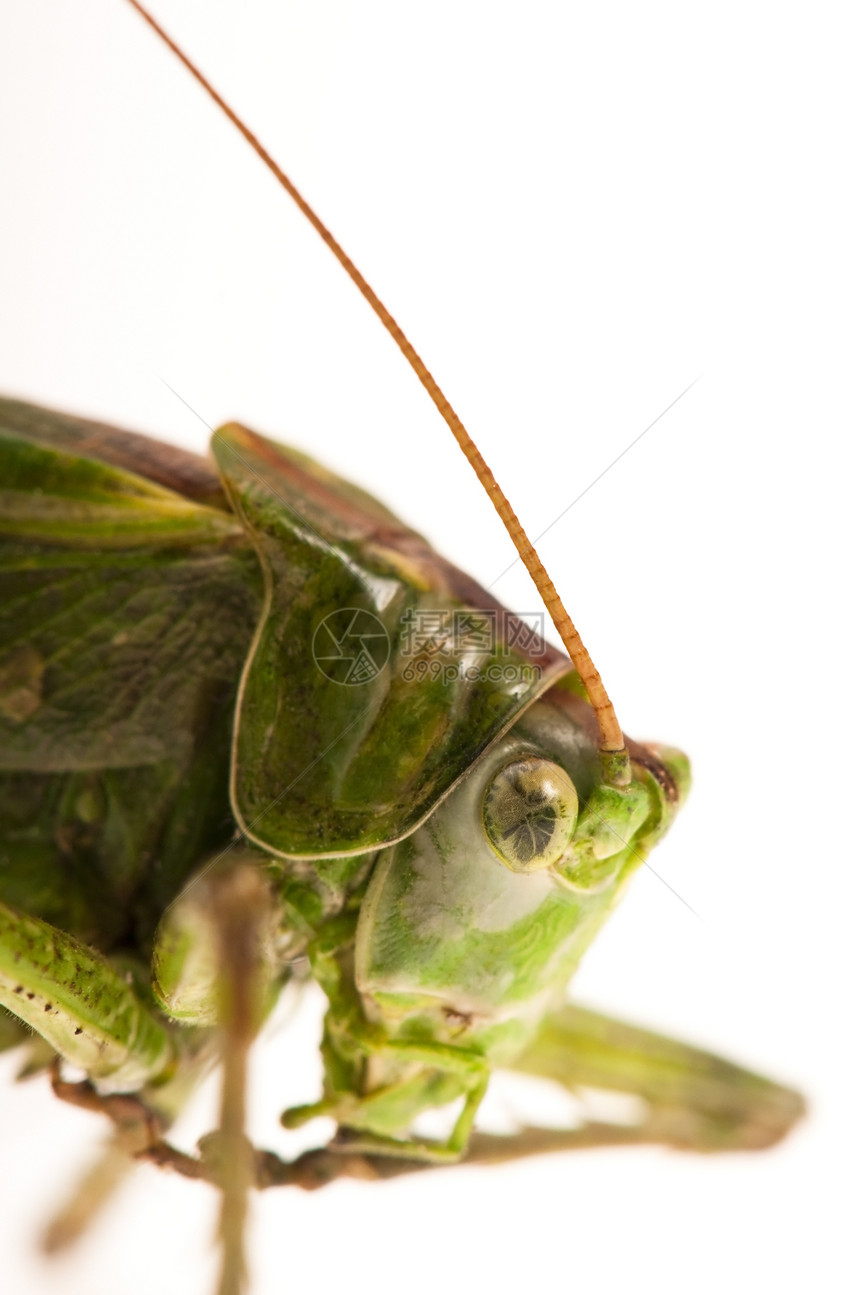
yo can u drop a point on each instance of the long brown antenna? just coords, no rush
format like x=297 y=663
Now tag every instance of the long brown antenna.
x=611 y=737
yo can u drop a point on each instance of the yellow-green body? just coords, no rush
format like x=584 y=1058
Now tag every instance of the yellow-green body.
x=439 y=839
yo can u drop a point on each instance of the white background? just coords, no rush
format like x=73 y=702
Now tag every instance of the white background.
x=574 y=210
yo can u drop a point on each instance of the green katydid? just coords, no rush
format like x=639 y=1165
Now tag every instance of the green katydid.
x=444 y=989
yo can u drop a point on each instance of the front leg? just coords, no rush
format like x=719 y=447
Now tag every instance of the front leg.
x=419 y=1074
x=360 y=1116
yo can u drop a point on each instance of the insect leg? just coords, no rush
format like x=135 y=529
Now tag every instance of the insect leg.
x=357 y=1115
x=86 y=1010
x=91 y=1192
x=693 y=1100
x=241 y=914
x=188 y=958
x=421 y=1073
x=214 y=964
x=140 y=1122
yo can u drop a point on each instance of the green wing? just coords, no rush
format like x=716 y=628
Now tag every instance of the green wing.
x=126 y=611
x=121 y=601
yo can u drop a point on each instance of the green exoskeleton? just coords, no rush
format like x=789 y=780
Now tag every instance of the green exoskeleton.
x=253 y=728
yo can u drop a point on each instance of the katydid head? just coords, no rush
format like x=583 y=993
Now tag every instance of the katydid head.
x=480 y=917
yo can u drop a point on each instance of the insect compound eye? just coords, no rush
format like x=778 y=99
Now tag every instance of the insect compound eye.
x=530 y=809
